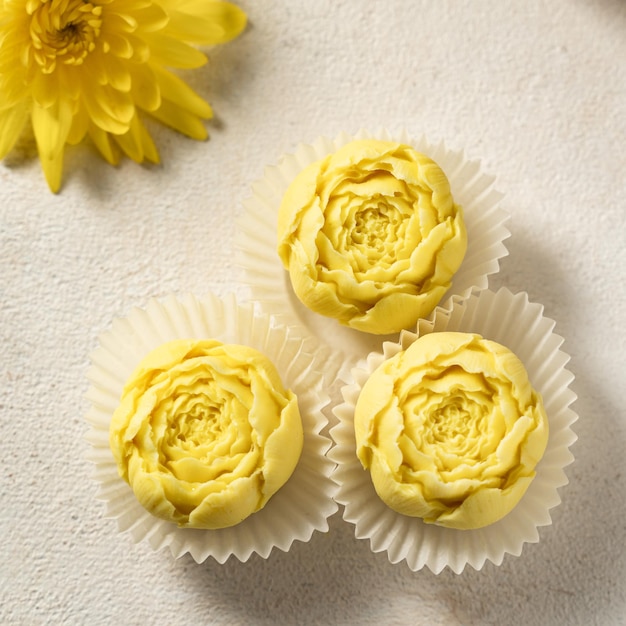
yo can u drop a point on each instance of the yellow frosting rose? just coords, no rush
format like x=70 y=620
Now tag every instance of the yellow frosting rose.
x=205 y=433
x=371 y=236
x=451 y=430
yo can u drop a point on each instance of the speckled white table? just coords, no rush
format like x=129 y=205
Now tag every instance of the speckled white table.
x=535 y=89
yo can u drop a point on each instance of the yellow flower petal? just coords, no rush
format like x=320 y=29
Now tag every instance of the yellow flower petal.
x=145 y=90
x=186 y=123
x=113 y=71
x=137 y=144
x=79 y=128
x=45 y=90
x=51 y=127
x=12 y=123
x=104 y=142
x=174 y=53
x=178 y=93
x=151 y=16
x=109 y=109
x=117 y=45
x=207 y=23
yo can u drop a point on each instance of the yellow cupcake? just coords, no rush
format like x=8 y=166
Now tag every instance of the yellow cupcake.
x=205 y=433
x=371 y=235
x=451 y=430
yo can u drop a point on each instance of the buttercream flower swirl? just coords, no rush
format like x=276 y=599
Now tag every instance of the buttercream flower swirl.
x=205 y=433
x=371 y=235
x=78 y=68
x=451 y=430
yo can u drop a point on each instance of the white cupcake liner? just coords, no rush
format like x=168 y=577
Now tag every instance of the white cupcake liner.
x=519 y=325
x=269 y=283
x=302 y=506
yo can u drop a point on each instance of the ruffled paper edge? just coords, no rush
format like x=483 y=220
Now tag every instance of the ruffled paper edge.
x=512 y=320
x=301 y=507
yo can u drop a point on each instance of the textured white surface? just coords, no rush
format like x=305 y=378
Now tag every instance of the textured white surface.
x=536 y=90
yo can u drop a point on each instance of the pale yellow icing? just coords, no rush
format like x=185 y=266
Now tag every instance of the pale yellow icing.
x=371 y=235
x=205 y=433
x=451 y=430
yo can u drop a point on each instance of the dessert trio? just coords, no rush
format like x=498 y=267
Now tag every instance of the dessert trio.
x=449 y=429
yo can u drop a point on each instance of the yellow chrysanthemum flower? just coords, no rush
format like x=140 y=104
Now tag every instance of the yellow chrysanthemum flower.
x=81 y=68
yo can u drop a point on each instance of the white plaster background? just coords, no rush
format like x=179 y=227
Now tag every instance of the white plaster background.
x=534 y=88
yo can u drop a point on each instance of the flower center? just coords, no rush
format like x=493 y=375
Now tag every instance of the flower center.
x=449 y=420
x=197 y=421
x=374 y=226
x=63 y=31
x=454 y=426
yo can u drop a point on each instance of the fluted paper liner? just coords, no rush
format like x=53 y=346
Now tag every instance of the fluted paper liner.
x=302 y=506
x=509 y=319
x=269 y=283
